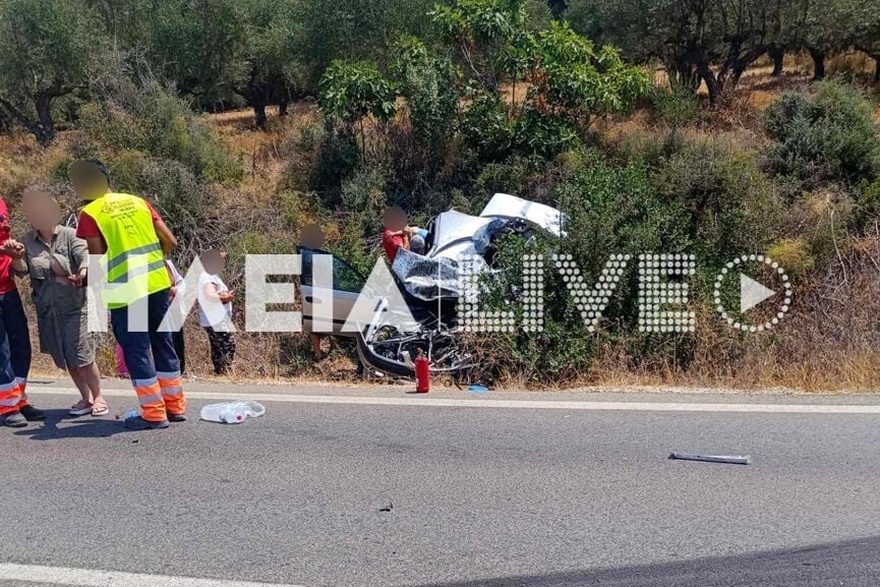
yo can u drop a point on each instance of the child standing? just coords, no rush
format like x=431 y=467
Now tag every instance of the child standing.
x=215 y=310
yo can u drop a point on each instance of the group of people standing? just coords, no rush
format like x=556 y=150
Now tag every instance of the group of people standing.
x=134 y=243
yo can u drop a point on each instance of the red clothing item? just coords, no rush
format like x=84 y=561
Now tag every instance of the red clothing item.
x=87 y=227
x=7 y=281
x=391 y=242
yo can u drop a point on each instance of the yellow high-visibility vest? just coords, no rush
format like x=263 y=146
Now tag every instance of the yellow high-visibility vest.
x=135 y=263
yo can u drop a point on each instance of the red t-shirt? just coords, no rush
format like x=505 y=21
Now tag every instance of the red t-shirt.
x=7 y=281
x=87 y=227
x=391 y=242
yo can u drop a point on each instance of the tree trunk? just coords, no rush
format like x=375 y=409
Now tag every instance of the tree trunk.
x=818 y=57
x=777 y=54
x=711 y=83
x=44 y=129
x=259 y=111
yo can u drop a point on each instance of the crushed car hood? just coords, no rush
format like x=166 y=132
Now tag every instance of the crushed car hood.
x=454 y=234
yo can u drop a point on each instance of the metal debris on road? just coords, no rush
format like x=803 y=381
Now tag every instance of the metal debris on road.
x=387 y=508
x=732 y=460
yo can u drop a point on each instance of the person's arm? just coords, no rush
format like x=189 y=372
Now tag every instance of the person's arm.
x=178 y=283
x=79 y=253
x=20 y=267
x=87 y=229
x=17 y=252
x=96 y=245
x=213 y=294
x=166 y=237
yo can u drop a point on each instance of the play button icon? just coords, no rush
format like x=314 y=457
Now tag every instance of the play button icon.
x=752 y=293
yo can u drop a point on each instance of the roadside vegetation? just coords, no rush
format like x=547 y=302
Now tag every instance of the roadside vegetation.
x=714 y=128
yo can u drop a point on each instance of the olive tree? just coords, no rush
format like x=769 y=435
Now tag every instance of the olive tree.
x=47 y=50
x=196 y=44
x=270 y=55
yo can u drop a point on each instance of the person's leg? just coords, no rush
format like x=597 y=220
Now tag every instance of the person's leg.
x=229 y=348
x=222 y=351
x=165 y=358
x=216 y=344
x=91 y=377
x=88 y=381
x=19 y=343
x=79 y=381
x=180 y=349
x=10 y=393
x=316 y=346
x=139 y=360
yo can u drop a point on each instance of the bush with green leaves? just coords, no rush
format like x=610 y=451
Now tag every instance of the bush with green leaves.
x=706 y=199
x=830 y=135
x=352 y=91
x=147 y=117
x=427 y=81
x=570 y=78
x=675 y=105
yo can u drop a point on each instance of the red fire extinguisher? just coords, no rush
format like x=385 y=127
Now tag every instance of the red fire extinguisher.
x=423 y=375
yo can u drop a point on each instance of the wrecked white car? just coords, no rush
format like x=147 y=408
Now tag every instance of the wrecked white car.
x=429 y=284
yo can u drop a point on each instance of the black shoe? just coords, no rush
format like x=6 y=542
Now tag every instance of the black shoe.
x=15 y=420
x=176 y=417
x=138 y=423
x=32 y=414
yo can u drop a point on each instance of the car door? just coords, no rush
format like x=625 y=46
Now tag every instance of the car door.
x=346 y=287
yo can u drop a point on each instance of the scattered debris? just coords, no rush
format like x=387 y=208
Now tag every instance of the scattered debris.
x=232 y=412
x=478 y=388
x=732 y=460
x=387 y=508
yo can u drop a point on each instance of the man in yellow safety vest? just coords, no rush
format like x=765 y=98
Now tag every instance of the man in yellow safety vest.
x=134 y=241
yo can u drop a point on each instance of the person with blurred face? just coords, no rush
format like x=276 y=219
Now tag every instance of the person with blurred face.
x=134 y=240
x=396 y=234
x=57 y=263
x=215 y=310
x=15 y=341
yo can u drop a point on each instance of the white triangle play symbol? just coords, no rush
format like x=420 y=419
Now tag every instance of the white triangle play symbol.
x=751 y=293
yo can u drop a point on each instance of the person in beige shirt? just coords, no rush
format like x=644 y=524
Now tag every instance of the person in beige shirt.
x=57 y=263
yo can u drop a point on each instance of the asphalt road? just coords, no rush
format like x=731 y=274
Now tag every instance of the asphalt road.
x=485 y=494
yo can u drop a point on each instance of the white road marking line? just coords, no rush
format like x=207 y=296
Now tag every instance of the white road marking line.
x=502 y=403
x=90 y=578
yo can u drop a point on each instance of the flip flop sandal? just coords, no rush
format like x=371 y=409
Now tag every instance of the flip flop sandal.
x=80 y=408
x=100 y=410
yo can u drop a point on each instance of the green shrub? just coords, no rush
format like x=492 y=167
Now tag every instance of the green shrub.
x=290 y=208
x=364 y=193
x=793 y=254
x=509 y=178
x=867 y=210
x=149 y=118
x=337 y=159
x=727 y=201
x=427 y=81
x=485 y=127
x=177 y=193
x=352 y=91
x=829 y=136
x=675 y=105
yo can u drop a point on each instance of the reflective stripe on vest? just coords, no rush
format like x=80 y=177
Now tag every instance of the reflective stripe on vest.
x=135 y=263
